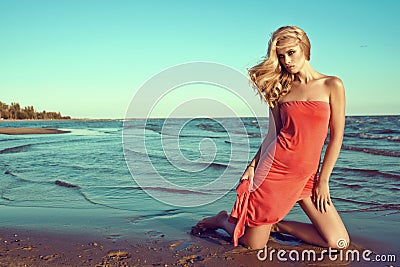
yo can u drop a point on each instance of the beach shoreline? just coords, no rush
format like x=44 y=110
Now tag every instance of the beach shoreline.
x=40 y=248
x=19 y=131
x=22 y=246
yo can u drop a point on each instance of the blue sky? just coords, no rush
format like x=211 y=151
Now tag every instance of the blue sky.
x=88 y=58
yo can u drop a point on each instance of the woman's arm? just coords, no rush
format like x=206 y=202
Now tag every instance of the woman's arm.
x=337 y=120
x=274 y=127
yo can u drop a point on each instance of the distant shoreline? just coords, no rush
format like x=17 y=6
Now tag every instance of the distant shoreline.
x=16 y=131
x=16 y=120
x=48 y=120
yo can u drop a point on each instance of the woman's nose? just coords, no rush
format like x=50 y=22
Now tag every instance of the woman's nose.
x=287 y=60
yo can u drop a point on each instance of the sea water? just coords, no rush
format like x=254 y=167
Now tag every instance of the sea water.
x=116 y=177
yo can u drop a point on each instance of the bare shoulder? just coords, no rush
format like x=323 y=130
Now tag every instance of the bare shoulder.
x=333 y=83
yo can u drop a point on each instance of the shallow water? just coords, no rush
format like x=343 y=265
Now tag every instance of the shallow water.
x=181 y=169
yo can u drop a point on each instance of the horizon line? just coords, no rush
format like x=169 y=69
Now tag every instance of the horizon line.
x=198 y=117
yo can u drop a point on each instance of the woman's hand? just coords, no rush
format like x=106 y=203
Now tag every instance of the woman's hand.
x=321 y=196
x=248 y=174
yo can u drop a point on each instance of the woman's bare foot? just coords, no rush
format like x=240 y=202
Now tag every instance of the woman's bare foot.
x=275 y=228
x=213 y=222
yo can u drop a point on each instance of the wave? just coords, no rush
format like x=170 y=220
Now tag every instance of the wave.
x=26 y=147
x=154 y=215
x=394 y=138
x=394 y=189
x=58 y=183
x=219 y=165
x=80 y=191
x=369 y=173
x=219 y=129
x=21 y=179
x=5 y=188
x=215 y=165
x=7 y=140
x=195 y=136
x=372 y=151
x=355 y=201
x=153 y=127
x=372 y=137
x=9 y=173
x=352 y=186
x=170 y=190
x=5 y=198
x=369 y=136
x=65 y=184
x=385 y=131
x=248 y=133
x=381 y=207
x=165 y=134
x=2 y=192
x=16 y=149
x=372 y=206
x=211 y=128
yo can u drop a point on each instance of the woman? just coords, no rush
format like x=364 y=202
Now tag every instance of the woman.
x=286 y=169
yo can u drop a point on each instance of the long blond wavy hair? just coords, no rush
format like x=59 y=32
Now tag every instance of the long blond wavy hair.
x=269 y=78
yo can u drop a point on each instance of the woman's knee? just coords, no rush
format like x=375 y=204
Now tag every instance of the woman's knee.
x=256 y=237
x=255 y=244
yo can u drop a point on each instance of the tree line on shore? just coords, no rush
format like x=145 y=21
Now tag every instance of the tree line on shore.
x=15 y=112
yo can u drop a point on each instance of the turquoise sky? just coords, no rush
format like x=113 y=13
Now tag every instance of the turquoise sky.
x=88 y=58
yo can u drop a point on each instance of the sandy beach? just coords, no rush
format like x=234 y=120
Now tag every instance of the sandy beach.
x=31 y=248
x=16 y=131
x=22 y=247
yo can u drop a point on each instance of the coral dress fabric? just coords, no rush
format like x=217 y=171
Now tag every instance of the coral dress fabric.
x=287 y=168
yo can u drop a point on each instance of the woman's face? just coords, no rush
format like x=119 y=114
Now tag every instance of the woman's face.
x=291 y=58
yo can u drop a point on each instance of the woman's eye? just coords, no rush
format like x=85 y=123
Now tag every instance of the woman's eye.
x=280 y=56
x=290 y=53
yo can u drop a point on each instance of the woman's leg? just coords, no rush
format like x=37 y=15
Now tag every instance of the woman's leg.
x=326 y=230
x=254 y=237
x=219 y=221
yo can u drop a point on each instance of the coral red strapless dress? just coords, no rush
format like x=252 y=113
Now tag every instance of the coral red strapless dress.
x=287 y=169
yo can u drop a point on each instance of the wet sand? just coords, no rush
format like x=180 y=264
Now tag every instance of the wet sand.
x=15 y=131
x=19 y=247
